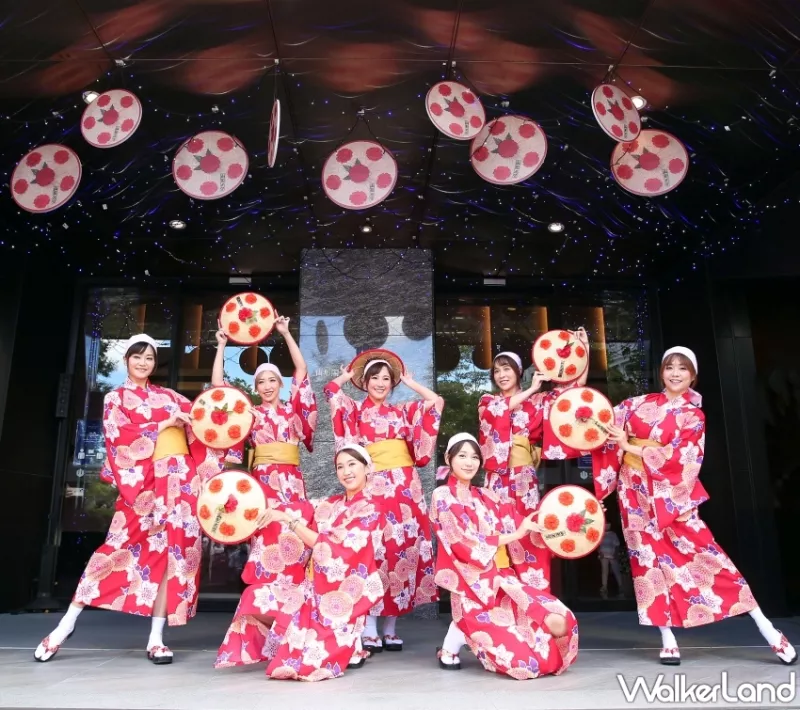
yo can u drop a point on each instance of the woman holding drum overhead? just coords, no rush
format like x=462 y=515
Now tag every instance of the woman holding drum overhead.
x=398 y=437
x=510 y=626
x=652 y=458
x=515 y=434
x=149 y=564
x=277 y=432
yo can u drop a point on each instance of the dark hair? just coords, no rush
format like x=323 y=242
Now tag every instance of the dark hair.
x=460 y=445
x=141 y=348
x=505 y=360
x=355 y=454
x=375 y=369
x=681 y=360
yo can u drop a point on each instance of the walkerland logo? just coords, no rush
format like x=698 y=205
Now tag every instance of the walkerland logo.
x=679 y=690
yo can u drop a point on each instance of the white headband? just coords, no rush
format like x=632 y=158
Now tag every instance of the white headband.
x=513 y=356
x=359 y=449
x=266 y=366
x=141 y=338
x=458 y=438
x=680 y=350
x=376 y=362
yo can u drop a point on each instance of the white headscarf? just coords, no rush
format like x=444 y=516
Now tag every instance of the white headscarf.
x=141 y=338
x=516 y=358
x=680 y=350
x=358 y=449
x=263 y=368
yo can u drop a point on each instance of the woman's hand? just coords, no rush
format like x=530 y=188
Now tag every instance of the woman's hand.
x=407 y=378
x=536 y=382
x=177 y=419
x=582 y=335
x=531 y=524
x=258 y=416
x=222 y=338
x=282 y=325
x=618 y=436
x=345 y=375
x=271 y=516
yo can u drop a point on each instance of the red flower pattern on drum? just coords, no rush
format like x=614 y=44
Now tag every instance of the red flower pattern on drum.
x=583 y=413
x=210 y=436
x=549 y=363
x=251 y=514
x=591 y=435
x=574 y=522
x=244 y=486
x=567 y=546
x=566 y=498
x=198 y=414
x=563 y=405
x=227 y=530
x=240 y=406
x=587 y=396
x=570 y=370
x=245 y=313
x=591 y=506
x=545 y=344
x=215 y=486
x=254 y=331
x=592 y=535
x=565 y=430
x=204 y=512
x=235 y=432
x=551 y=522
x=251 y=299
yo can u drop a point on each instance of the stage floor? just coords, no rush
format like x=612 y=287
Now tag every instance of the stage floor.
x=104 y=666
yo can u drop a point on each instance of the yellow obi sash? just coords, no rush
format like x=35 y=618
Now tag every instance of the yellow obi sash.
x=277 y=452
x=633 y=460
x=501 y=557
x=171 y=442
x=389 y=454
x=522 y=453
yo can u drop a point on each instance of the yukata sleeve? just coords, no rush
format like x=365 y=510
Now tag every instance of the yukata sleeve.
x=673 y=470
x=343 y=413
x=423 y=429
x=607 y=460
x=458 y=536
x=303 y=402
x=494 y=432
x=129 y=448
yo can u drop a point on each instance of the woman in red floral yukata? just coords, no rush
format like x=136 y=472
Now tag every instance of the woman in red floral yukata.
x=275 y=553
x=510 y=626
x=515 y=435
x=681 y=575
x=399 y=437
x=149 y=564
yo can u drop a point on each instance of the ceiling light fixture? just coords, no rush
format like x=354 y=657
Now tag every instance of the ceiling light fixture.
x=639 y=102
x=177 y=224
x=366 y=228
x=555 y=227
x=90 y=96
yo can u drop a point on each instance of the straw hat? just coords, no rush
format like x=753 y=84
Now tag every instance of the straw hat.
x=574 y=521
x=363 y=360
x=229 y=507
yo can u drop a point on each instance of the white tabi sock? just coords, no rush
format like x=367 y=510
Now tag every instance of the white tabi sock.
x=370 y=627
x=390 y=626
x=667 y=637
x=65 y=626
x=454 y=641
x=156 y=632
x=768 y=631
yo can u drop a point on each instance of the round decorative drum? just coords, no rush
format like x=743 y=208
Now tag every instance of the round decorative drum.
x=247 y=318
x=508 y=150
x=274 y=133
x=229 y=507
x=361 y=361
x=46 y=178
x=455 y=110
x=615 y=112
x=221 y=417
x=560 y=355
x=359 y=175
x=573 y=520
x=111 y=118
x=579 y=417
x=210 y=165
x=653 y=164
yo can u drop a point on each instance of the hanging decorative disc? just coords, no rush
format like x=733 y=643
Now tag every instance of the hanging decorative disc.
x=653 y=164
x=274 y=133
x=358 y=175
x=46 y=178
x=210 y=165
x=615 y=112
x=455 y=110
x=508 y=150
x=111 y=118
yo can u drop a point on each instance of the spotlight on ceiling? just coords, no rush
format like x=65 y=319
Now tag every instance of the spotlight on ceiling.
x=639 y=102
x=177 y=224
x=366 y=228
x=90 y=96
x=555 y=227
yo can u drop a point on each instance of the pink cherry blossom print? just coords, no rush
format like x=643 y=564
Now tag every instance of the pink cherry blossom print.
x=652 y=165
x=509 y=150
x=210 y=165
x=46 y=178
x=455 y=110
x=365 y=179
x=112 y=119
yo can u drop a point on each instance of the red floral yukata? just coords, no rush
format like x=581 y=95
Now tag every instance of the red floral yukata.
x=277 y=561
x=407 y=567
x=501 y=617
x=154 y=532
x=681 y=575
x=520 y=484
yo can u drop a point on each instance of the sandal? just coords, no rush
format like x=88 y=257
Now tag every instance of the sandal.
x=670 y=657
x=358 y=659
x=45 y=652
x=448 y=661
x=160 y=655
x=392 y=643
x=371 y=644
x=783 y=651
